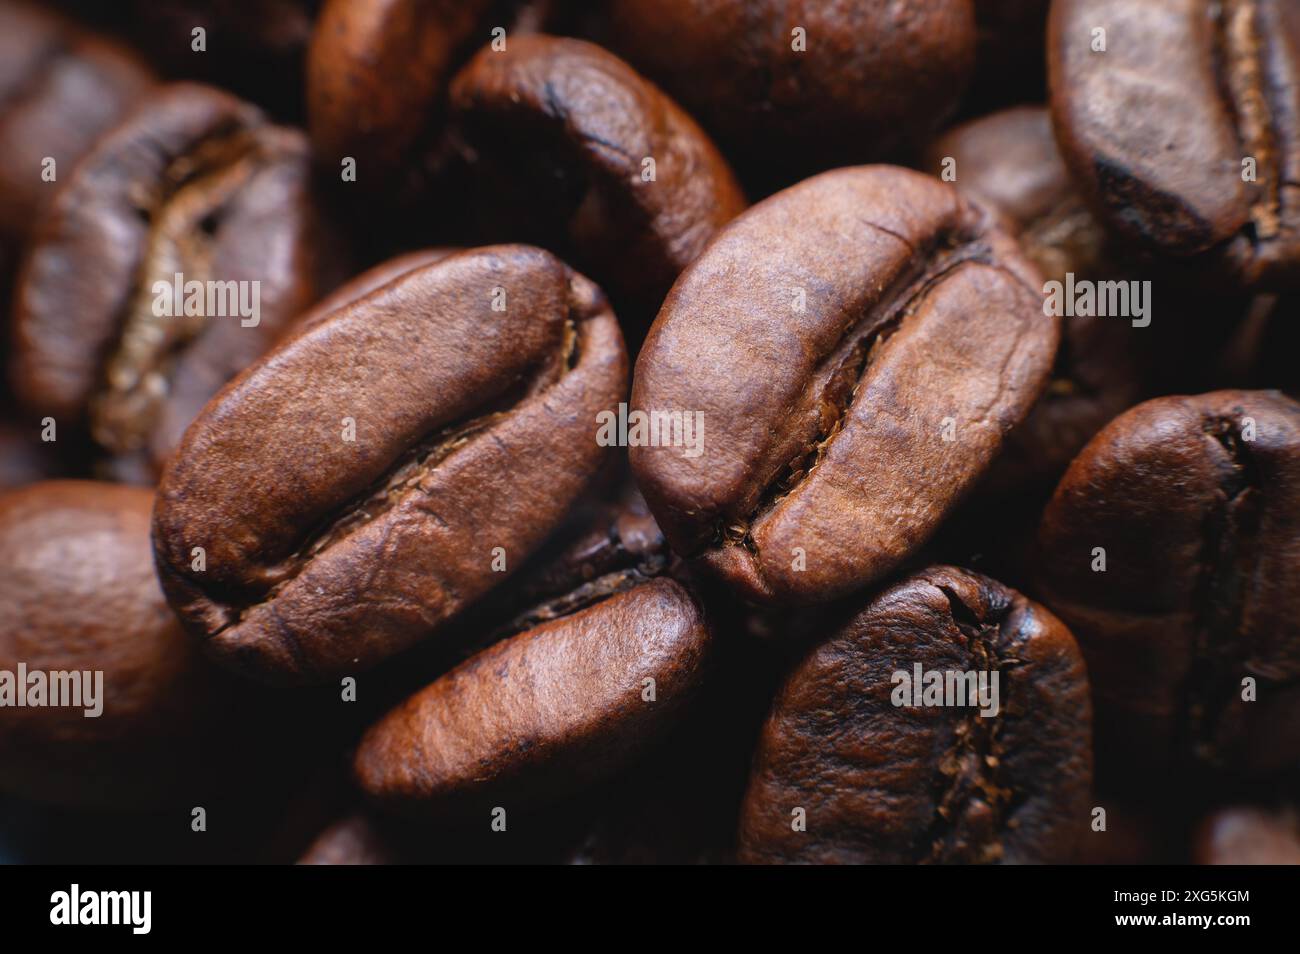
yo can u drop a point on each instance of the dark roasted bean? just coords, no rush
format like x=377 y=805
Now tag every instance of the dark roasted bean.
x=855 y=348
x=1172 y=550
x=351 y=489
x=845 y=773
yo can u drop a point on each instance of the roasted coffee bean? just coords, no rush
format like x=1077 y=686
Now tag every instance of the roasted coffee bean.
x=544 y=713
x=1172 y=550
x=805 y=88
x=850 y=769
x=354 y=840
x=352 y=489
x=60 y=88
x=1010 y=161
x=81 y=615
x=1184 y=131
x=1249 y=836
x=397 y=491
x=588 y=588
x=377 y=75
x=618 y=178
x=849 y=354
x=193 y=187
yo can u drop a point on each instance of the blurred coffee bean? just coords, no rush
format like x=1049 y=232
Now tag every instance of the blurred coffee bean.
x=792 y=91
x=1180 y=120
x=106 y=702
x=1249 y=836
x=1172 y=550
x=181 y=248
x=354 y=840
x=60 y=88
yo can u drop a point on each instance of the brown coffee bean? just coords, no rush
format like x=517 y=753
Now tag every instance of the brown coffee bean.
x=1249 y=836
x=194 y=183
x=354 y=840
x=1172 y=550
x=1010 y=161
x=351 y=489
x=850 y=769
x=617 y=177
x=78 y=595
x=856 y=348
x=804 y=87
x=545 y=712
x=60 y=88
x=1184 y=132
x=377 y=74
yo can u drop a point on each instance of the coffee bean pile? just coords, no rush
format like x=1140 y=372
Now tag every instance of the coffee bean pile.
x=650 y=431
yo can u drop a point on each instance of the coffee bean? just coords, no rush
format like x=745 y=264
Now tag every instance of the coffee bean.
x=60 y=87
x=1172 y=550
x=1184 y=131
x=797 y=90
x=354 y=840
x=79 y=602
x=354 y=488
x=856 y=347
x=618 y=178
x=545 y=712
x=1249 y=836
x=193 y=184
x=844 y=773
x=769 y=630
